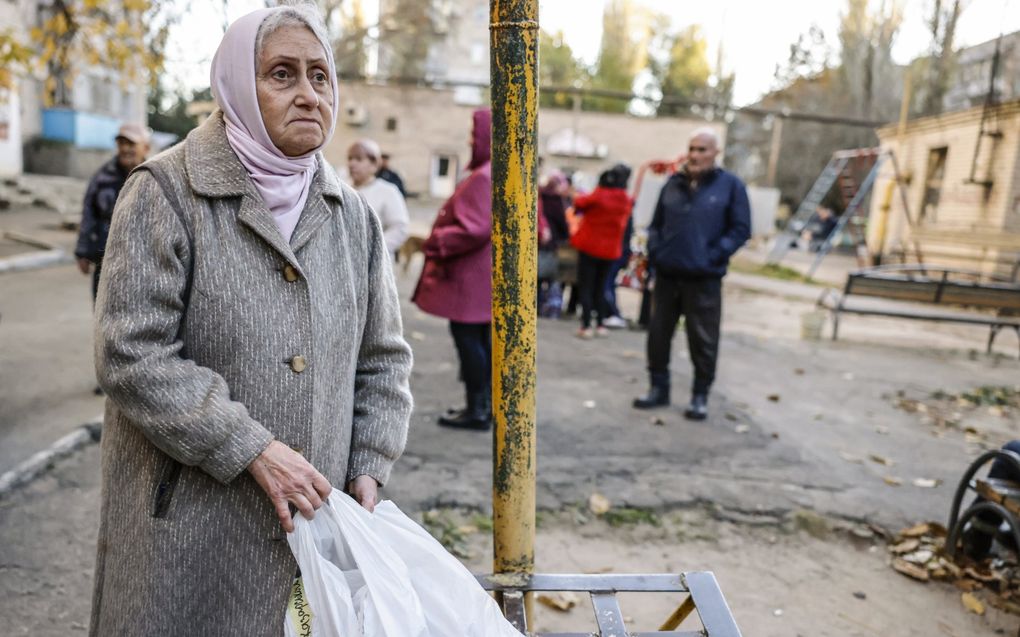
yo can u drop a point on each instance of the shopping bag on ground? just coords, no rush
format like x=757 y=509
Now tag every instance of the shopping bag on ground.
x=381 y=575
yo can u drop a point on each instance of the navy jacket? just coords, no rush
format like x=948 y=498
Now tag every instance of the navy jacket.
x=97 y=210
x=695 y=232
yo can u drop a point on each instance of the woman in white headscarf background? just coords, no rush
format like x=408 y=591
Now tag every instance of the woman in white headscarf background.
x=249 y=340
x=363 y=158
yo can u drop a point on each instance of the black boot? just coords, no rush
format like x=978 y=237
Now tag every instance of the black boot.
x=658 y=396
x=698 y=409
x=475 y=416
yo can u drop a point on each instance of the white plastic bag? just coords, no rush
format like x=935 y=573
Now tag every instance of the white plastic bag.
x=381 y=575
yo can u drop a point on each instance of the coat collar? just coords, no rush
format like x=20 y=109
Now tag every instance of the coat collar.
x=215 y=171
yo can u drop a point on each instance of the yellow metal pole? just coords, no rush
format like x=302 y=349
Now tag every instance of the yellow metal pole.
x=514 y=71
x=882 y=221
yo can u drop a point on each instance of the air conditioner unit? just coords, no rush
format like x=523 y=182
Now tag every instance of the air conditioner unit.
x=355 y=115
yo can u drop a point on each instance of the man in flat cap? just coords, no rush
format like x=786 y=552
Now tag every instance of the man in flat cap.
x=101 y=196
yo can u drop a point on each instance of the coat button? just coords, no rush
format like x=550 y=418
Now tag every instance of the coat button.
x=298 y=364
x=290 y=273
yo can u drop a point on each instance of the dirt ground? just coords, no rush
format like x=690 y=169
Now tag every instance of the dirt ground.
x=796 y=578
x=794 y=434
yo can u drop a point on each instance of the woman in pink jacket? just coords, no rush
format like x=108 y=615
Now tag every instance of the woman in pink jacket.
x=456 y=281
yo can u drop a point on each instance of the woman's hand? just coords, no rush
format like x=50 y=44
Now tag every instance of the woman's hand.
x=287 y=478
x=365 y=490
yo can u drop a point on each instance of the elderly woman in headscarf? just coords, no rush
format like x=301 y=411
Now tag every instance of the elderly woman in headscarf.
x=249 y=338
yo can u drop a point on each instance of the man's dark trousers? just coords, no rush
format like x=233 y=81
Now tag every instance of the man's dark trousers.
x=699 y=301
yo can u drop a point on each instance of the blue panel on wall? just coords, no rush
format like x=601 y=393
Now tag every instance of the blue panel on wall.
x=58 y=124
x=84 y=130
x=95 y=131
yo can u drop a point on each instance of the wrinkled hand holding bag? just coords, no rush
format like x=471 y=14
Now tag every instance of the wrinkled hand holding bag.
x=381 y=575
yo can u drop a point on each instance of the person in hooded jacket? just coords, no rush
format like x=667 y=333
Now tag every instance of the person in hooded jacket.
x=456 y=280
x=599 y=242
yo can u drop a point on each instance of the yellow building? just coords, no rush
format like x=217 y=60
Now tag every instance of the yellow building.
x=961 y=172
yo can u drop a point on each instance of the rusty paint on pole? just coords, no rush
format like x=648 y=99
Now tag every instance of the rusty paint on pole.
x=514 y=72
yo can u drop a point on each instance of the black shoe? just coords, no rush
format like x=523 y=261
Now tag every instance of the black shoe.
x=475 y=417
x=474 y=422
x=698 y=409
x=658 y=396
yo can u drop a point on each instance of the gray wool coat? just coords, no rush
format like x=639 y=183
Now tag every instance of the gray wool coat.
x=213 y=337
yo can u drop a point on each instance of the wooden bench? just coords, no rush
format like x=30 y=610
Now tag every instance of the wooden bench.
x=703 y=591
x=904 y=291
x=1001 y=497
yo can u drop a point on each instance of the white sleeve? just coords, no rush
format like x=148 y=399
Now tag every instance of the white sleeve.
x=394 y=217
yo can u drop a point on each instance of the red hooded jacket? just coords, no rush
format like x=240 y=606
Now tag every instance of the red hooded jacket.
x=604 y=215
x=456 y=281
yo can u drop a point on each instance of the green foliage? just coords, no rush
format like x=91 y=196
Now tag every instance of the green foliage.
x=169 y=113
x=558 y=67
x=625 y=516
x=14 y=60
x=443 y=524
x=626 y=33
x=984 y=396
x=127 y=36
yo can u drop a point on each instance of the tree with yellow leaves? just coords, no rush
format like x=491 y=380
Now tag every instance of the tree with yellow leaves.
x=125 y=36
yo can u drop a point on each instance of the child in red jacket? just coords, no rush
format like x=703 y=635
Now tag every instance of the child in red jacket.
x=599 y=242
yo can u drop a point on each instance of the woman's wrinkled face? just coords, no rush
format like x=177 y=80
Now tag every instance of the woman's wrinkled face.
x=294 y=91
x=361 y=167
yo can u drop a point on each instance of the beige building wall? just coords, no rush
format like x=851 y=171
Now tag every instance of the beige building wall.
x=973 y=226
x=417 y=125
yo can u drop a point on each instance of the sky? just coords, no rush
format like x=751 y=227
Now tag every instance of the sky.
x=755 y=35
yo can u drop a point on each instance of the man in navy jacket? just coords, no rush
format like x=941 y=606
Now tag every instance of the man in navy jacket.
x=702 y=218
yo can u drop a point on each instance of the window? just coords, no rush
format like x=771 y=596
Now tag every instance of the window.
x=391 y=124
x=933 y=183
x=443 y=169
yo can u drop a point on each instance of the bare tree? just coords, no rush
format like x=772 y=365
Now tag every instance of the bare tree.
x=940 y=65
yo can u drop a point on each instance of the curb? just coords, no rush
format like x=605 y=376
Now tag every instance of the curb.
x=44 y=460
x=34 y=261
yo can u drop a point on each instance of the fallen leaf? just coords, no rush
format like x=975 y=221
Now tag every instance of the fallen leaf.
x=860 y=595
x=973 y=604
x=731 y=416
x=880 y=459
x=910 y=570
x=893 y=481
x=849 y=457
x=906 y=546
x=973 y=573
x=774 y=398
x=562 y=602
x=742 y=429
x=920 y=557
x=926 y=483
x=598 y=504
x=922 y=528
x=775 y=434
x=655 y=420
x=967 y=585
x=798 y=371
